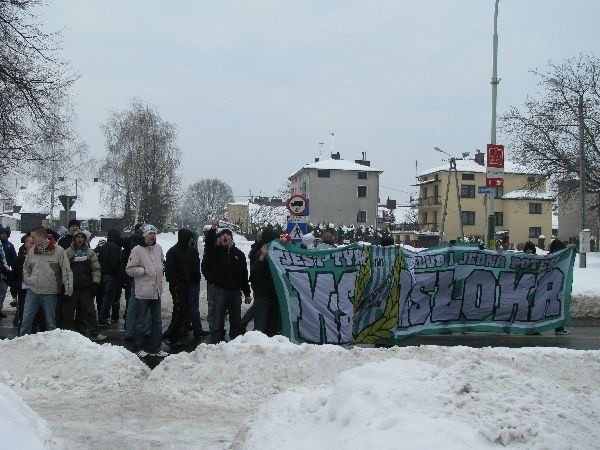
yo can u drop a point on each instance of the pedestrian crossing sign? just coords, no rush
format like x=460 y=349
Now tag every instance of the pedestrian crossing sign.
x=296 y=230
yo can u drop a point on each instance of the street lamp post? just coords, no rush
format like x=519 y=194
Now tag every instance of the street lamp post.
x=491 y=228
x=582 y=254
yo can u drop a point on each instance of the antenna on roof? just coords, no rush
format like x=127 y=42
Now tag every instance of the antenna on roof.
x=332 y=134
x=321 y=144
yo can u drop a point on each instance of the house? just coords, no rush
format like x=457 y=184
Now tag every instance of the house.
x=339 y=191
x=522 y=209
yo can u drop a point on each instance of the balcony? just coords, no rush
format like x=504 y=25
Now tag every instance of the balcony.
x=429 y=201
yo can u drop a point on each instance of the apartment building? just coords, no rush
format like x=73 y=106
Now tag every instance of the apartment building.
x=523 y=209
x=341 y=192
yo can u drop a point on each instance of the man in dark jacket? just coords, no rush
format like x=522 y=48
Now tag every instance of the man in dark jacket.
x=266 y=308
x=5 y=271
x=226 y=269
x=178 y=267
x=109 y=256
x=66 y=239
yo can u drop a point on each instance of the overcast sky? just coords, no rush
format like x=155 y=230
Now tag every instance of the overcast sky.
x=254 y=86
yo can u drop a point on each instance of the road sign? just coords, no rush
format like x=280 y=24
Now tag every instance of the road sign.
x=495 y=165
x=297 y=205
x=494 y=177
x=67 y=201
x=484 y=190
x=495 y=156
x=296 y=230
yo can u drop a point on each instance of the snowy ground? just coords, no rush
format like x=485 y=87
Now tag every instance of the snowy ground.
x=60 y=390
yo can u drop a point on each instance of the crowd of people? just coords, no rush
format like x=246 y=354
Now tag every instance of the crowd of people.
x=58 y=281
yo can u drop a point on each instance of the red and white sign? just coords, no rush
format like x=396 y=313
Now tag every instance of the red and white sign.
x=495 y=165
x=297 y=205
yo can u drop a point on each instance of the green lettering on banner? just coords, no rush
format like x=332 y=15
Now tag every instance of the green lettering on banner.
x=365 y=294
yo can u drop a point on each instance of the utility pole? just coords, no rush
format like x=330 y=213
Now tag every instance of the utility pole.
x=491 y=232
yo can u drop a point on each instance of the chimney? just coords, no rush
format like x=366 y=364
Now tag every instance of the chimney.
x=479 y=158
x=316 y=159
x=335 y=155
x=363 y=161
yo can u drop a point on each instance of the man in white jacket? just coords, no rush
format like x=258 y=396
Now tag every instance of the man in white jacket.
x=146 y=267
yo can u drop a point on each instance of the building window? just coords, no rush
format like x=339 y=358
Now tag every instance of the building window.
x=467 y=191
x=498 y=192
x=362 y=175
x=324 y=173
x=535 y=208
x=361 y=216
x=468 y=176
x=535 y=232
x=499 y=219
x=468 y=217
x=361 y=191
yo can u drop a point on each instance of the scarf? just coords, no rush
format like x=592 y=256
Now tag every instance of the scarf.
x=47 y=246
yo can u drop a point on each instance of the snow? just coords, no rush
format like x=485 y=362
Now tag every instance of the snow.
x=60 y=390
x=337 y=164
x=469 y=165
x=526 y=194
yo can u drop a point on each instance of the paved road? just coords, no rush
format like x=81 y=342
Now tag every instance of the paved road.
x=581 y=338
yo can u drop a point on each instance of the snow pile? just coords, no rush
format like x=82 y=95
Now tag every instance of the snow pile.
x=417 y=396
x=62 y=361
x=434 y=397
x=20 y=427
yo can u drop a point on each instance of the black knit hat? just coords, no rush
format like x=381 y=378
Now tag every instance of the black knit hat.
x=225 y=231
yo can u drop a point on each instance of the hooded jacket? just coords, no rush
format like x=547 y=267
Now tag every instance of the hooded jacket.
x=86 y=269
x=9 y=249
x=260 y=274
x=182 y=261
x=109 y=255
x=146 y=268
x=46 y=273
x=225 y=267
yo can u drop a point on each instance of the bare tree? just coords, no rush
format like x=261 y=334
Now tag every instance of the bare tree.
x=544 y=133
x=204 y=200
x=140 y=169
x=33 y=81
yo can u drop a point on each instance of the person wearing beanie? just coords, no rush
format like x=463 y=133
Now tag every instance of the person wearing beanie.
x=555 y=246
x=146 y=268
x=308 y=241
x=86 y=279
x=226 y=269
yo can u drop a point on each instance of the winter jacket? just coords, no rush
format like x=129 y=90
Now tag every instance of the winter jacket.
x=9 y=252
x=145 y=266
x=86 y=269
x=179 y=260
x=17 y=272
x=128 y=244
x=260 y=274
x=225 y=267
x=65 y=241
x=109 y=255
x=46 y=273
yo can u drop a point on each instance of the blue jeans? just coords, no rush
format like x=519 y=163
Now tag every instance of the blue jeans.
x=112 y=288
x=131 y=316
x=194 y=309
x=145 y=306
x=225 y=301
x=33 y=302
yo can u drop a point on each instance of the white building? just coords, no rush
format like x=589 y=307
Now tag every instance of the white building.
x=340 y=192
